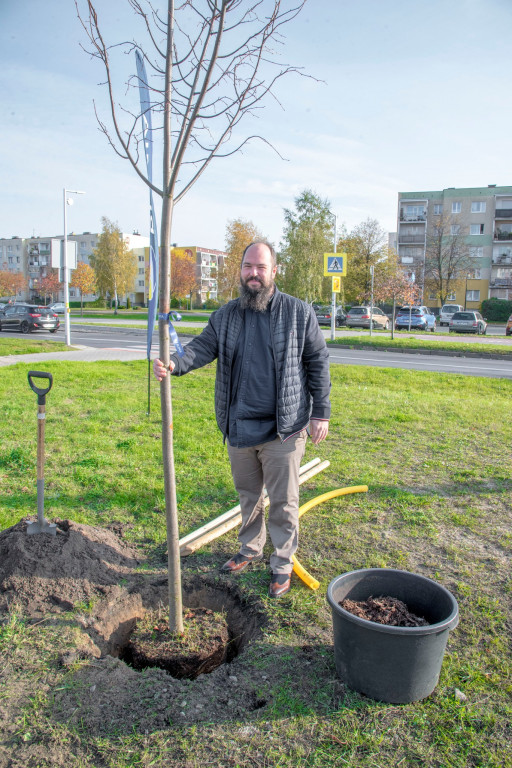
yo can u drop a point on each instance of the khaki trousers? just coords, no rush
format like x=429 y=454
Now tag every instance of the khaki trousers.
x=274 y=465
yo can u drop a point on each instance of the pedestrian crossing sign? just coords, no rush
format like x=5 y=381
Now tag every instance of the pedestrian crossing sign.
x=335 y=264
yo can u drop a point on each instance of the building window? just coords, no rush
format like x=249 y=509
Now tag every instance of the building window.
x=141 y=258
x=455 y=229
x=475 y=274
x=456 y=207
x=141 y=283
x=478 y=207
x=476 y=229
x=472 y=295
x=451 y=296
x=438 y=210
x=407 y=260
x=476 y=252
x=141 y=270
x=432 y=296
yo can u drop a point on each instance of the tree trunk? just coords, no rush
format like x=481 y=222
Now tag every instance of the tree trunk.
x=171 y=506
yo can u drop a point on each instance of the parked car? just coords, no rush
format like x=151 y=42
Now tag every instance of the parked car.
x=324 y=315
x=27 y=318
x=359 y=317
x=415 y=317
x=59 y=308
x=468 y=322
x=447 y=312
x=508 y=329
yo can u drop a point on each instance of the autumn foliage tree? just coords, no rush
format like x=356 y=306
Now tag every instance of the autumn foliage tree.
x=239 y=234
x=392 y=285
x=50 y=285
x=84 y=279
x=11 y=283
x=365 y=246
x=184 y=279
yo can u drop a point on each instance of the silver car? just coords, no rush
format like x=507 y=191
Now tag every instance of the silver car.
x=468 y=322
x=359 y=317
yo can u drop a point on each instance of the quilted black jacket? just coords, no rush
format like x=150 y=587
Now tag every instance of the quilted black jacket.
x=300 y=353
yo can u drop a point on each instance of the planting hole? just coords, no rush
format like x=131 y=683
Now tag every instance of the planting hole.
x=217 y=626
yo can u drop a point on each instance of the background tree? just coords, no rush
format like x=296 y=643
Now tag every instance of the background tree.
x=12 y=283
x=447 y=257
x=211 y=64
x=115 y=266
x=239 y=234
x=50 y=285
x=84 y=279
x=365 y=246
x=392 y=285
x=184 y=278
x=308 y=234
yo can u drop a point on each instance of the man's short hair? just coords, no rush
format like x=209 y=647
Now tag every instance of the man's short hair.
x=262 y=241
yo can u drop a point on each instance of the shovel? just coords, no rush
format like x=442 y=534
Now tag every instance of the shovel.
x=42 y=525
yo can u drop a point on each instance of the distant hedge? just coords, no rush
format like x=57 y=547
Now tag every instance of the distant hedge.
x=497 y=310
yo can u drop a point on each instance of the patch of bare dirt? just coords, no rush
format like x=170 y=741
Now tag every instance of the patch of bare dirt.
x=384 y=610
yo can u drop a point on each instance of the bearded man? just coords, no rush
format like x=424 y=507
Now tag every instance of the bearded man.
x=272 y=388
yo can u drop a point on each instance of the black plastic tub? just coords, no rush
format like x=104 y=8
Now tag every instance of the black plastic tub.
x=392 y=664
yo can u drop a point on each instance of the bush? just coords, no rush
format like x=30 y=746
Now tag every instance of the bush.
x=96 y=304
x=211 y=304
x=496 y=310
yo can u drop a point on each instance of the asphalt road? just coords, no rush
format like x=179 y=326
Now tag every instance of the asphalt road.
x=107 y=342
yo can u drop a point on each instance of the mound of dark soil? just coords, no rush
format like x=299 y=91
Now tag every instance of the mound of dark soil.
x=384 y=610
x=53 y=573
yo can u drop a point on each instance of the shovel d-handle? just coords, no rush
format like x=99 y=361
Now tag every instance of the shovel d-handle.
x=41 y=393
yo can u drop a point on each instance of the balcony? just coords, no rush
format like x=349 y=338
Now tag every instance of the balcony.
x=501 y=282
x=502 y=259
x=502 y=234
x=413 y=238
x=412 y=216
x=503 y=213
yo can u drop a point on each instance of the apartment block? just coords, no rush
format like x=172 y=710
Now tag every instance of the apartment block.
x=33 y=258
x=208 y=262
x=483 y=216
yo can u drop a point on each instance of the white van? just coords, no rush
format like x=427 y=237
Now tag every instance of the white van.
x=447 y=312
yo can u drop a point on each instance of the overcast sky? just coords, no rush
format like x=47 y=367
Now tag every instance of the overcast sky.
x=408 y=96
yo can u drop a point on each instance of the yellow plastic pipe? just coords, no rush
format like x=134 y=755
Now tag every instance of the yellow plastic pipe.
x=301 y=572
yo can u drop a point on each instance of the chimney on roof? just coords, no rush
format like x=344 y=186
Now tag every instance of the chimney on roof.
x=491 y=185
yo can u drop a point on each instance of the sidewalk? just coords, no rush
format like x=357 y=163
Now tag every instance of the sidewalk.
x=84 y=354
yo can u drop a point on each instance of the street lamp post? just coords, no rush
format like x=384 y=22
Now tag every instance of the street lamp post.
x=67 y=201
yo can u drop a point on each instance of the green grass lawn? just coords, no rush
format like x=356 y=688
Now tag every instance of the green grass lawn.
x=21 y=345
x=128 y=314
x=436 y=453
x=383 y=340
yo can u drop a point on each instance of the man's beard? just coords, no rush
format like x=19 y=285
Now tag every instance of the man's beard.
x=256 y=299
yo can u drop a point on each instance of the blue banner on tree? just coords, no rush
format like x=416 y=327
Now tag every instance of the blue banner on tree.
x=145 y=106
